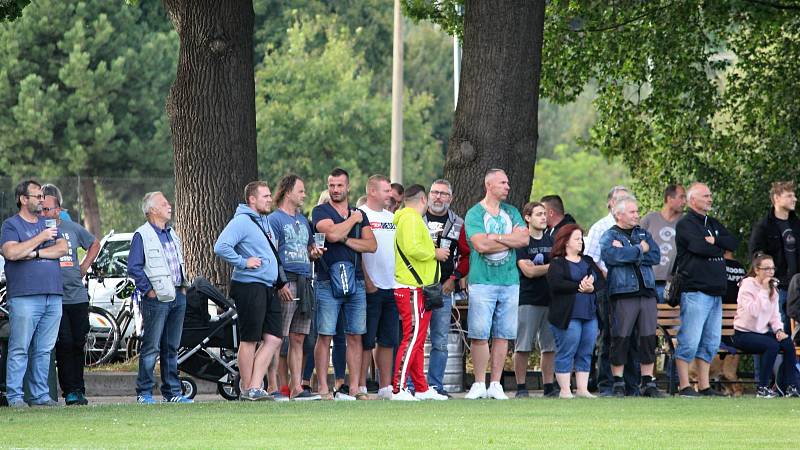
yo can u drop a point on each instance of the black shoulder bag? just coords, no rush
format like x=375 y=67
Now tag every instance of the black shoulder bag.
x=282 y=280
x=674 y=287
x=432 y=292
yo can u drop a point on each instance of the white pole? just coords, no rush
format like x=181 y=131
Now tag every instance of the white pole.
x=397 y=98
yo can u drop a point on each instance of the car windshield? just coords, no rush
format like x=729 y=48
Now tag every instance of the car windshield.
x=112 y=261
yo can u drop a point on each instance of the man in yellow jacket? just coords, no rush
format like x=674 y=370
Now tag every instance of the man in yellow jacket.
x=413 y=241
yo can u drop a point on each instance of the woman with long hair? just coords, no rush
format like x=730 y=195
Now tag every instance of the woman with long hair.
x=574 y=280
x=758 y=327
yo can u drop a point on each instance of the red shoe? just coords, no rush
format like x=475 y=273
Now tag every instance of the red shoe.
x=285 y=390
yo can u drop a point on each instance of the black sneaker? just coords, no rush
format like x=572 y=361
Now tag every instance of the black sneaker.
x=552 y=394
x=443 y=392
x=618 y=390
x=791 y=391
x=688 y=392
x=344 y=389
x=652 y=391
x=765 y=392
x=522 y=393
x=711 y=392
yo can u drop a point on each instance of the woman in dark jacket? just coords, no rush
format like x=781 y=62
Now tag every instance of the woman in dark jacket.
x=573 y=280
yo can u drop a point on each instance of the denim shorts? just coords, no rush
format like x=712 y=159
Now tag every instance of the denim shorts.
x=493 y=311
x=354 y=307
x=701 y=327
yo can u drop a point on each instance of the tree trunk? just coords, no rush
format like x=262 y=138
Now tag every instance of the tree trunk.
x=91 y=211
x=211 y=108
x=496 y=120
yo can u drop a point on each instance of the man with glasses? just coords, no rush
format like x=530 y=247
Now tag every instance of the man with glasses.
x=776 y=235
x=447 y=230
x=396 y=199
x=75 y=302
x=701 y=241
x=31 y=246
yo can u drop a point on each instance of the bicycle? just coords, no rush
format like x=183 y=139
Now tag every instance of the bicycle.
x=107 y=332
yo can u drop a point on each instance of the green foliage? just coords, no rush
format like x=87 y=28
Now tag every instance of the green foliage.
x=687 y=90
x=581 y=178
x=11 y=9
x=315 y=111
x=82 y=85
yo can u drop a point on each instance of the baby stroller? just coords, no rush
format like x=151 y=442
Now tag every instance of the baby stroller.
x=209 y=344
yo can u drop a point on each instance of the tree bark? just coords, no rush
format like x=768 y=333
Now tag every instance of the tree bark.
x=211 y=108
x=496 y=120
x=91 y=211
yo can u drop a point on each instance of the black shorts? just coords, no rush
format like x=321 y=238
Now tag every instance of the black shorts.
x=259 y=311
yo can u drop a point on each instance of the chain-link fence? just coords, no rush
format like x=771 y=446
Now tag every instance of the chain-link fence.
x=100 y=204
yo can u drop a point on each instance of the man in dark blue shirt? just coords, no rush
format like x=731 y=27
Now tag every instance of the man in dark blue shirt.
x=31 y=246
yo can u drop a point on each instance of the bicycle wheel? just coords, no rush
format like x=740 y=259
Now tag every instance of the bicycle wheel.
x=133 y=347
x=103 y=338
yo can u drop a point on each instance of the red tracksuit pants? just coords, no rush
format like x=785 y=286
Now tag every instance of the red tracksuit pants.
x=411 y=353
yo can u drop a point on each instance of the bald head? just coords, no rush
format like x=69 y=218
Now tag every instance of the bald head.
x=699 y=197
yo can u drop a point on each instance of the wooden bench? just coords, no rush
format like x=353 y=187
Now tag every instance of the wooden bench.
x=669 y=322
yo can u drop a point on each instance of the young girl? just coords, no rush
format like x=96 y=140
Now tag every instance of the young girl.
x=758 y=327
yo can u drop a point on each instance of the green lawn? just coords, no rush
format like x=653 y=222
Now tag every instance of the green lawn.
x=603 y=423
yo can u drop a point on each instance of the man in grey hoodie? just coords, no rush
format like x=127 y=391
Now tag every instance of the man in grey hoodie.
x=244 y=245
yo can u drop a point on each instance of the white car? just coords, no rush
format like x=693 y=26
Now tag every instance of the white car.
x=112 y=264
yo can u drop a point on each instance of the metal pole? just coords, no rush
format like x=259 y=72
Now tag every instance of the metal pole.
x=397 y=98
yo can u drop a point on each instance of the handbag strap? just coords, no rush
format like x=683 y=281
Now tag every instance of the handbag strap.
x=271 y=245
x=411 y=268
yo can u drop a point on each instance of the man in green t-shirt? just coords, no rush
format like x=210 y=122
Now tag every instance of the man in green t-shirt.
x=494 y=230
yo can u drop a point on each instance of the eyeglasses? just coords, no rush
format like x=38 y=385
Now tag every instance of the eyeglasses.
x=440 y=193
x=38 y=196
x=768 y=269
x=49 y=209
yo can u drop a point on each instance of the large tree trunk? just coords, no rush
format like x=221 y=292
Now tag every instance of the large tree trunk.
x=211 y=107
x=91 y=211
x=496 y=120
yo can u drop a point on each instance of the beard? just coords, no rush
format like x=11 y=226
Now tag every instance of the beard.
x=438 y=209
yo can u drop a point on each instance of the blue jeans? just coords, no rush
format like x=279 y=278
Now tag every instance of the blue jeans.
x=767 y=347
x=493 y=311
x=439 y=329
x=34 y=321
x=574 y=346
x=701 y=327
x=163 y=325
x=353 y=306
x=660 y=291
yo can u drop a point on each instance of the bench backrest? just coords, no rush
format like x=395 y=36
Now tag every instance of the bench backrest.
x=670 y=318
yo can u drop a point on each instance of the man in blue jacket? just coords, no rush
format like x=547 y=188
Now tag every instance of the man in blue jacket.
x=629 y=253
x=244 y=245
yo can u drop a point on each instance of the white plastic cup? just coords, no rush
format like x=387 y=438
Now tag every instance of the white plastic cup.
x=319 y=240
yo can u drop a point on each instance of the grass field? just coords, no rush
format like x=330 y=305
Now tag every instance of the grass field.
x=603 y=423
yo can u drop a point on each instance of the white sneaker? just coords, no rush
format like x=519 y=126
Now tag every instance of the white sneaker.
x=385 y=393
x=478 y=390
x=404 y=395
x=341 y=396
x=362 y=389
x=495 y=391
x=430 y=394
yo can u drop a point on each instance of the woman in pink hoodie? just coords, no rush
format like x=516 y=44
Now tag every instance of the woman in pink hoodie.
x=758 y=328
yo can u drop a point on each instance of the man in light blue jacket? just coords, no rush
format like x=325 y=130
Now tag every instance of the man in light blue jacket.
x=244 y=245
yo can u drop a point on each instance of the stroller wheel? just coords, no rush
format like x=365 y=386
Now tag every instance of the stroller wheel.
x=229 y=390
x=188 y=387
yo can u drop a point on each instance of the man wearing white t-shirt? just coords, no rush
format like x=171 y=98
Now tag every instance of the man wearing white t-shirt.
x=382 y=316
